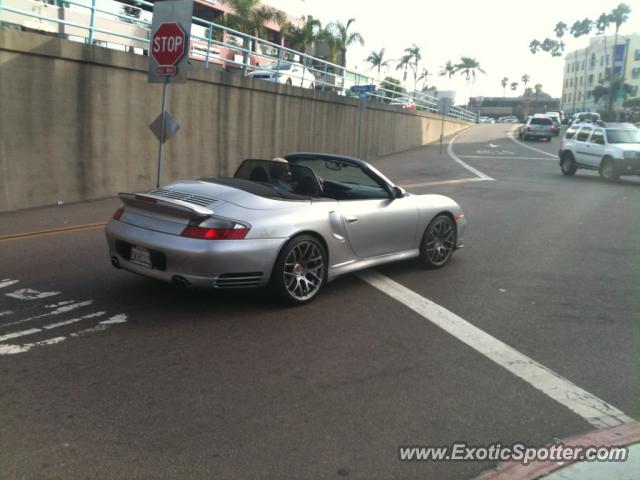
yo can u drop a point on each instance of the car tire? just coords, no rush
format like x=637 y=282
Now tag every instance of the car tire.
x=438 y=242
x=300 y=270
x=607 y=170
x=568 y=164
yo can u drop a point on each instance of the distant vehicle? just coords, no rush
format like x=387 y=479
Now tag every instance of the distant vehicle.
x=585 y=117
x=613 y=150
x=560 y=115
x=538 y=126
x=486 y=120
x=406 y=103
x=510 y=119
x=288 y=73
x=555 y=118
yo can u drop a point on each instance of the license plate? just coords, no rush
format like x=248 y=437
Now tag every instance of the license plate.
x=140 y=256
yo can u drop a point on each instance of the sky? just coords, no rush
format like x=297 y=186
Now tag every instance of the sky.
x=494 y=32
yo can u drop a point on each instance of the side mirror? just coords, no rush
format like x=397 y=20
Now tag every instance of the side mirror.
x=399 y=192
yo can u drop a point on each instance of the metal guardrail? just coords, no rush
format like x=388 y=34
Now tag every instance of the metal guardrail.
x=117 y=25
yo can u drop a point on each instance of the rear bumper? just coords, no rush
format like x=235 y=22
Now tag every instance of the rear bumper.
x=203 y=263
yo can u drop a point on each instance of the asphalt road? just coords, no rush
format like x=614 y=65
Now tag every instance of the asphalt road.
x=219 y=385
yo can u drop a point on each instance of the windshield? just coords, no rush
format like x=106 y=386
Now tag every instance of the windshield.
x=540 y=121
x=276 y=66
x=623 y=136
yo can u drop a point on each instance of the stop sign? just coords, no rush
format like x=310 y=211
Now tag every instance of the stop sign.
x=168 y=46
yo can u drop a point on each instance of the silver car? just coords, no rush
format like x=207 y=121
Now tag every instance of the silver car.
x=538 y=126
x=292 y=224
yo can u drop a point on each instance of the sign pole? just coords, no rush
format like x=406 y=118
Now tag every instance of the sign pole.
x=162 y=128
x=363 y=92
x=359 y=128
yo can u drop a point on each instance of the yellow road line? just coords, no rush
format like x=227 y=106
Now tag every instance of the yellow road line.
x=53 y=231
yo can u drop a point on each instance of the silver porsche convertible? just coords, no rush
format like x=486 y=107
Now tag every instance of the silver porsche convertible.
x=290 y=223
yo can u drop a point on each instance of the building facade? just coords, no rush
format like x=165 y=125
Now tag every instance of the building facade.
x=589 y=67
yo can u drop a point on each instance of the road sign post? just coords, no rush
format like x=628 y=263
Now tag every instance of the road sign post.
x=168 y=59
x=363 y=92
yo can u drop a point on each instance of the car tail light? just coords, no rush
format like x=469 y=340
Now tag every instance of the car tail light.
x=216 y=229
x=118 y=213
x=529 y=127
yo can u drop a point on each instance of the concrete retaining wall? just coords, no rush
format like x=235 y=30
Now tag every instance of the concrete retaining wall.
x=74 y=122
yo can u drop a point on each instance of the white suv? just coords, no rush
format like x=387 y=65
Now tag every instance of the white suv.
x=613 y=150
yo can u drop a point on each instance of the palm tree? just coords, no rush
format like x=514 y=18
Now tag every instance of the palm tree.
x=299 y=37
x=343 y=38
x=377 y=61
x=250 y=16
x=424 y=75
x=469 y=67
x=560 y=29
x=448 y=69
x=581 y=27
x=414 y=56
x=525 y=79
x=538 y=89
x=403 y=63
x=504 y=82
x=618 y=16
x=514 y=85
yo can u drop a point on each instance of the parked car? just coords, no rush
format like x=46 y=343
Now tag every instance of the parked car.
x=288 y=73
x=486 y=120
x=537 y=126
x=612 y=150
x=406 y=103
x=291 y=224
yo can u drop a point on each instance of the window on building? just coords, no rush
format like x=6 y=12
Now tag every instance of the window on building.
x=637 y=55
x=635 y=72
x=633 y=91
x=600 y=77
x=591 y=79
x=592 y=63
x=582 y=65
x=606 y=60
x=601 y=61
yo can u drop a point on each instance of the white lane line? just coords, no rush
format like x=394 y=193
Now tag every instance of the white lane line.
x=443 y=182
x=6 y=282
x=73 y=320
x=457 y=159
x=514 y=139
x=5 y=313
x=8 y=349
x=10 y=336
x=29 y=294
x=31 y=331
x=594 y=410
x=509 y=157
x=13 y=349
x=58 y=311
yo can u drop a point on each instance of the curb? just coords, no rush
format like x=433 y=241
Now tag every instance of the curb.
x=622 y=435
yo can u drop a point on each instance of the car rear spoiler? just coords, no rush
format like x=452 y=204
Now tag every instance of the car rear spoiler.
x=168 y=206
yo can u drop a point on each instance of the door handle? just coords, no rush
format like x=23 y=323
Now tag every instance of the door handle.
x=351 y=219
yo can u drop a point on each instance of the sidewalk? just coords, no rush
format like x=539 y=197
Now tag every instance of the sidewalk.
x=627 y=435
